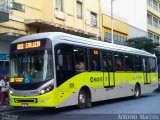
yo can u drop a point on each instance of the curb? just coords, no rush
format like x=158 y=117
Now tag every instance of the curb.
x=11 y=109
x=8 y=109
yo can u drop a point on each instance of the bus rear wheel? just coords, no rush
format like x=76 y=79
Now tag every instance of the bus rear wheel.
x=84 y=99
x=137 y=91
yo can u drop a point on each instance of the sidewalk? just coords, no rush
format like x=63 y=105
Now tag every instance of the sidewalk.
x=6 y=108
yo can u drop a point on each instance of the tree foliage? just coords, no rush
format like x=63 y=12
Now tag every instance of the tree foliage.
x=144 y=43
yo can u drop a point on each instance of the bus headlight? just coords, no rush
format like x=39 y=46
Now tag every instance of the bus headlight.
x=46 y=89
x=10 y=91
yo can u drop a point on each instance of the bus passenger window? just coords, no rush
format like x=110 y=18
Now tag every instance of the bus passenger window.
x=118 y=62
x=95 y=60
x=110 y=62
x=80 y=59
x=80 y=65
x=64 y=63
x=129 y=62
x=152 y=62
x=105 y=62
x=138 y=63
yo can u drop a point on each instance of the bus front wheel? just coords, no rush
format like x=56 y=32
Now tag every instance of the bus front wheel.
x=84 y=99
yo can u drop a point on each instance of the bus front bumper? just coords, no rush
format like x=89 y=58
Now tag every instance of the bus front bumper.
x=45 y=100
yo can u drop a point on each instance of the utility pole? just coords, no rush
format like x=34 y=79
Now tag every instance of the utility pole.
x=112 y=27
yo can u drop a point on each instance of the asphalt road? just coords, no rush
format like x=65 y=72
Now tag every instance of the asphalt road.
x=123 y=108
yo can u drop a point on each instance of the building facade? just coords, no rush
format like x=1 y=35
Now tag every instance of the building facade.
x=79 y=17
x=23 y=17
x=120 y=30
x=130 y=16
x=153 y=20
x=86 y=18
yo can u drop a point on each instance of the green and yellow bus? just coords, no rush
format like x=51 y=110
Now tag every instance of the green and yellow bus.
x=55 y=69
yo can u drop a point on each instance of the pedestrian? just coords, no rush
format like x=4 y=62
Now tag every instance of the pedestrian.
x=3 y=90
x=7 y=88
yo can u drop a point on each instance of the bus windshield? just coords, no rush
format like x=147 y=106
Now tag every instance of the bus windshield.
x=31 y=66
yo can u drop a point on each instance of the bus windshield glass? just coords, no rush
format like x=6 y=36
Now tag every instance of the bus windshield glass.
x=31 y=66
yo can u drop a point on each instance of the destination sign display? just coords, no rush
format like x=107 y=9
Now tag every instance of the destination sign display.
x=28 y=45
x=16 y=80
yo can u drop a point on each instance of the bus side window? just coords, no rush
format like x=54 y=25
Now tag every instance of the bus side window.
x=119 y=62
x=148 y=68
x=129 y=62
x=107 y=62
x=64 y=60
x=95 y=60
x=64 y=63
x=110 y=62
x=80 y=59
x=138 y=63
x=152 y=62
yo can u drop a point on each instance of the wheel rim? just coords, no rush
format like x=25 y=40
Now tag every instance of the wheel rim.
x=136 y=92
x=82 y=98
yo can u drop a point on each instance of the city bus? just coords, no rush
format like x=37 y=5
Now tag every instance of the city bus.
x=55 y=69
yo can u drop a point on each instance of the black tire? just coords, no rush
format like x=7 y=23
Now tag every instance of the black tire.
x=89 y=103
x=82 y=99
x=137 y=91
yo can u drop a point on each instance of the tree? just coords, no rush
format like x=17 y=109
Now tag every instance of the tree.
x=144 y=43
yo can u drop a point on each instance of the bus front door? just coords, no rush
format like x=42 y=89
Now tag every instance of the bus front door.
x=108 y=73
x=146 y=72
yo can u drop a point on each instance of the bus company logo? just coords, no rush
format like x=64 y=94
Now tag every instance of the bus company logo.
x=137 y=77
x=96 y=79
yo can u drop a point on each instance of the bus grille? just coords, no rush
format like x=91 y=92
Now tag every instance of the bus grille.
x=20 y=100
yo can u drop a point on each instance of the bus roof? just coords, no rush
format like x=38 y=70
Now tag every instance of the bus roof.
x=84 y=42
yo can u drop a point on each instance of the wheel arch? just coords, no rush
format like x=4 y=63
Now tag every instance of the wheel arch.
x=87 y=90
x=138 y=84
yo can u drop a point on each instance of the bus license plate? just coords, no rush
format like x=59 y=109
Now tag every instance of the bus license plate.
x=24 y=104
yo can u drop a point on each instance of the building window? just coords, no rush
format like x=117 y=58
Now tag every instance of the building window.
x=149 y=2
x=18 y=7
x=155 y=5
x=79 y=9
x=155 y=22
x=156 y=39
x=149 y=19
x=59 y=5
x=93 y=19
x=107 y=37
x=150 y=35
x=115 y=39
